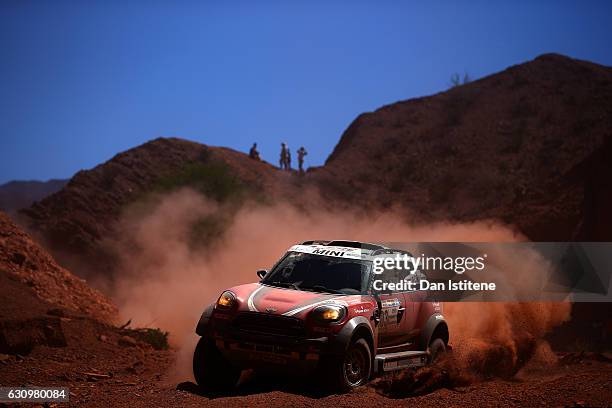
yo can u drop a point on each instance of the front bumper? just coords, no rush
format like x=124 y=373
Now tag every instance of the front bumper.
x=260 y=350
x=304 y=355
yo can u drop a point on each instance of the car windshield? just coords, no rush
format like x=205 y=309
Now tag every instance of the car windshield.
x=320 y=273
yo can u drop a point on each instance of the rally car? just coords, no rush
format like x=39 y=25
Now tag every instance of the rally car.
x=316 y=309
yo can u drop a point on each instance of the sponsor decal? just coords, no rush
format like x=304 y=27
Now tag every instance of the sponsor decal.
x=339 y=252
x=391 y=303
x=406 y=363
x=329 y=252
x=390 y=311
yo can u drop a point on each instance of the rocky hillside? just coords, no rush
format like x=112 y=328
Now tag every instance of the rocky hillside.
x=531 y=146
x=32 y=281
x=74 y=221
x=16 y=195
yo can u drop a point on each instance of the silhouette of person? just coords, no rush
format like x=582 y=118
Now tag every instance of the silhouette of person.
x=288 y=159
x=253 y=153
x=283 y=156
x=301 y=153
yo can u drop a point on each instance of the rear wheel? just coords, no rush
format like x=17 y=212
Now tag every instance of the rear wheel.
x=211 y=370
x=436 y=349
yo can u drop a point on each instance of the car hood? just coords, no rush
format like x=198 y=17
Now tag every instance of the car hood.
x=256 y=297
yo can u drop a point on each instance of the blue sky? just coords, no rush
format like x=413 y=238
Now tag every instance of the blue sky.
x=82 y=81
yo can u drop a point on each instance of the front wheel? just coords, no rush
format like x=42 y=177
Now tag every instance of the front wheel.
x=351 y=370
x=211 y=370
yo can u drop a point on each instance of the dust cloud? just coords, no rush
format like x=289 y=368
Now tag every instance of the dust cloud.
x=498 y=339
x=165 y=282
x=490 y=340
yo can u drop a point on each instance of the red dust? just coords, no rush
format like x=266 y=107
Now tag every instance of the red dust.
x=165 y=282
x=490 y=340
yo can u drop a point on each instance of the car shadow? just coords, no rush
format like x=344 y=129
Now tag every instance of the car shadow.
x=252 y=383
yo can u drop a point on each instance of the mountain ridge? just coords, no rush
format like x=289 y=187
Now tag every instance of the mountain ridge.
x=528 y=146
x=18 y=194
x=500 y=147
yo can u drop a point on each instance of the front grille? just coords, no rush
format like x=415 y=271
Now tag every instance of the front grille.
x=271 y=324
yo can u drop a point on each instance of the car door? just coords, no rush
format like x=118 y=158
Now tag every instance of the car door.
x=393 y=327
x=414 y=299
x=390 y=327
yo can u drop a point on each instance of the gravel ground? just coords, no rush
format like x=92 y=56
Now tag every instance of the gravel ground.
x=103 y=369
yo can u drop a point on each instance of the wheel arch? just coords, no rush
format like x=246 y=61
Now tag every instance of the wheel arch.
x=365 y=332
x=358 y=326
x=201 y=328
x=435 y=327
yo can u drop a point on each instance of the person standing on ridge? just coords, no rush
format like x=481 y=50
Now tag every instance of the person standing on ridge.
x=288 y=159
x=253 y=153
x=283 y=157
x=301 y=153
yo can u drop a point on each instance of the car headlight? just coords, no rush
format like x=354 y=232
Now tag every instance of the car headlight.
x=328 y=313
x=226 y=300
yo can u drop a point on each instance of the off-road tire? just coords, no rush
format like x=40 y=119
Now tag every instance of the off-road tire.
x=351 y=370
x=436 y=349
x=211 y=370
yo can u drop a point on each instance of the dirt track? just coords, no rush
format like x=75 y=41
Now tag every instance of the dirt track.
x=103 y=366
x=104 y=371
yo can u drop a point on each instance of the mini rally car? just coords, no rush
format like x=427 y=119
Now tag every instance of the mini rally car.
x=316 y=309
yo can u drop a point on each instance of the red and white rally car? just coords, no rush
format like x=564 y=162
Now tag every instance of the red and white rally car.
x=316 y=309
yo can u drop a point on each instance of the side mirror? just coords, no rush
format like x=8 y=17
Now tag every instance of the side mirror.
x=262 y=273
